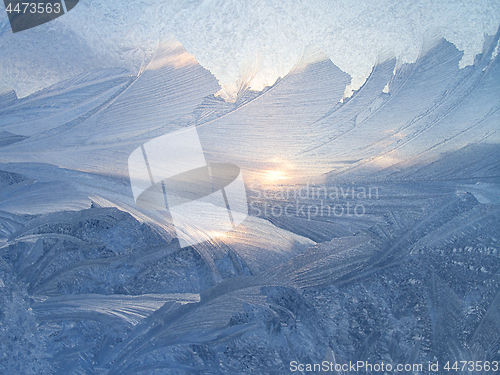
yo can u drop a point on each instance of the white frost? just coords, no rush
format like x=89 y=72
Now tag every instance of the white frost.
x=255 y=42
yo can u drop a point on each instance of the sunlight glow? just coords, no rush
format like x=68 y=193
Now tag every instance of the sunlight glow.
x=276 y=172
x=272 y=176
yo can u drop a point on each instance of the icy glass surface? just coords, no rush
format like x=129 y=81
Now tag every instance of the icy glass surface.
x=243 y=44
x=365 y=136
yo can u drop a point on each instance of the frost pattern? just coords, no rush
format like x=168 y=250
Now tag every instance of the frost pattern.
x=246 y=44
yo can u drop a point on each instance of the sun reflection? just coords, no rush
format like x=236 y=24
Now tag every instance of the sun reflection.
x=216 y=234
x=276 y=172
x=273 y=176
